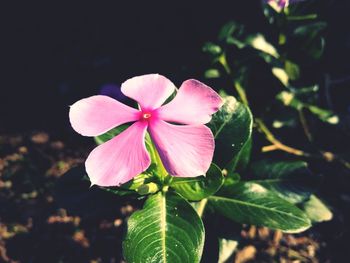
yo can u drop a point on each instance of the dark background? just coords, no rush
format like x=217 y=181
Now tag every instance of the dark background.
x=54 y=54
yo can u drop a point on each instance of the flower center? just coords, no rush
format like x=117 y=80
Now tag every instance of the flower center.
x=146 y=116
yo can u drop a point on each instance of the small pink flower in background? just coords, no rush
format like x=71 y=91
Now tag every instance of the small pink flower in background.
x=186 y=150
x=280 y=4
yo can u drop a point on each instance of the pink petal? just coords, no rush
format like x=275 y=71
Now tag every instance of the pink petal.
x=185 y=150
x=98 y=114
x=119 y=159
x=194 y=103
x=150 y=91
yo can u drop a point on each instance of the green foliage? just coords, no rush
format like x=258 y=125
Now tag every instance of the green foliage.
x=226 y=249
x=263 y=71
x=253 y=204
x=232 y=129
x=167 y=229
x=316 y=210
x=292 y=69
x=212 y=48
x=277 y=194
x=292 y=100
x=110 y=134
x=312 y=41
x=198 y=188
x=212 y=73
x=259 y=42
x=291 y=181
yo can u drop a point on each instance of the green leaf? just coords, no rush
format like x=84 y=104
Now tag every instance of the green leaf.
x=282 y=75
x=230 y=179
x=292 y=70
x=201 y=187
x=323 y=115
x=313 y=42
x=250 y=203
x=144 y=183
x=242 y=159
x=167 y=229
x=137 y=181
x=212 y=73
x=259 y=42
x=316 y=48
x=231 y=33
x=226 y=249
x=292 y=181
x=230 y=29
x=118 y=191
x=110 y=134
x=302 y=17
x=290 y=99
x=316 y=210
x=232 y=129
x=212 y=48
x=310 y=30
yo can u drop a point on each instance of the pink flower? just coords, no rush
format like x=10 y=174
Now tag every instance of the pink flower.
x=280 y=4
x=186 y=150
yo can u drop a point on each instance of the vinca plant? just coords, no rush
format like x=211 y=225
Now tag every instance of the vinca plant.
x=194 y=156
x=181 y=156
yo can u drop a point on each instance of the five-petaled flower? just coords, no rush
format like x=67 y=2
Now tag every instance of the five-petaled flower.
x=185 y=145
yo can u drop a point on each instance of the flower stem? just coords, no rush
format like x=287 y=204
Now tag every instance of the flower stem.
x=305 y=17
x=241 y=93
x=276 y=144
x=201 y=206
x=305 y=125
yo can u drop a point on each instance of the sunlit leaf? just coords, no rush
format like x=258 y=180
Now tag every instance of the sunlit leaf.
x=232 y=128
x=167 y=229
x=282 y=75
x=226 y=249
x=250 y=203
x=259 y=42
x=316 y=210
x=323 y=114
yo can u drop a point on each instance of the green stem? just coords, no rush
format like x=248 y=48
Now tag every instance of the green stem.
x=304 y=125
x=223 y=62
x=298 y=18
x=276 y=144
x=241 y=93
x=201 y=207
